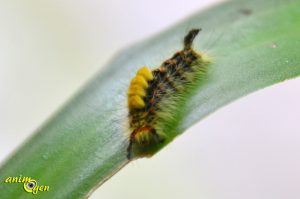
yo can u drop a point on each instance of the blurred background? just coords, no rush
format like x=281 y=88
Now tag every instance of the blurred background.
x=49 y=49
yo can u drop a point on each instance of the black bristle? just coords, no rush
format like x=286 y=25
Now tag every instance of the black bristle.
x=189 y=38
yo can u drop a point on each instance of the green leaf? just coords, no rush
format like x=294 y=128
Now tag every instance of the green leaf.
x=252 y=44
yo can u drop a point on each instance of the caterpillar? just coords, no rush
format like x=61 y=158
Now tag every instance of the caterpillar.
x=154 y=95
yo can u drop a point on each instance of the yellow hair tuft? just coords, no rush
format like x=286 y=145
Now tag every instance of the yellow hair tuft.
x=136 y=101
x=136 y=90
x=139 y=80
x=146 y=73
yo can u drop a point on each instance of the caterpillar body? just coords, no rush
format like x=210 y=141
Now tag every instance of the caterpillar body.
x=154 y=95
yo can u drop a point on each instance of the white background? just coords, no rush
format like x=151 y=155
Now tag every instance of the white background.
x=48 y=49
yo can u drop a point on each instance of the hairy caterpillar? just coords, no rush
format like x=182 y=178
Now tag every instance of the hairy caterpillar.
x=151 y=93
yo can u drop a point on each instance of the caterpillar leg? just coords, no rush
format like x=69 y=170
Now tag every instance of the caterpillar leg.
x=129 y=149
x=143 y=139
